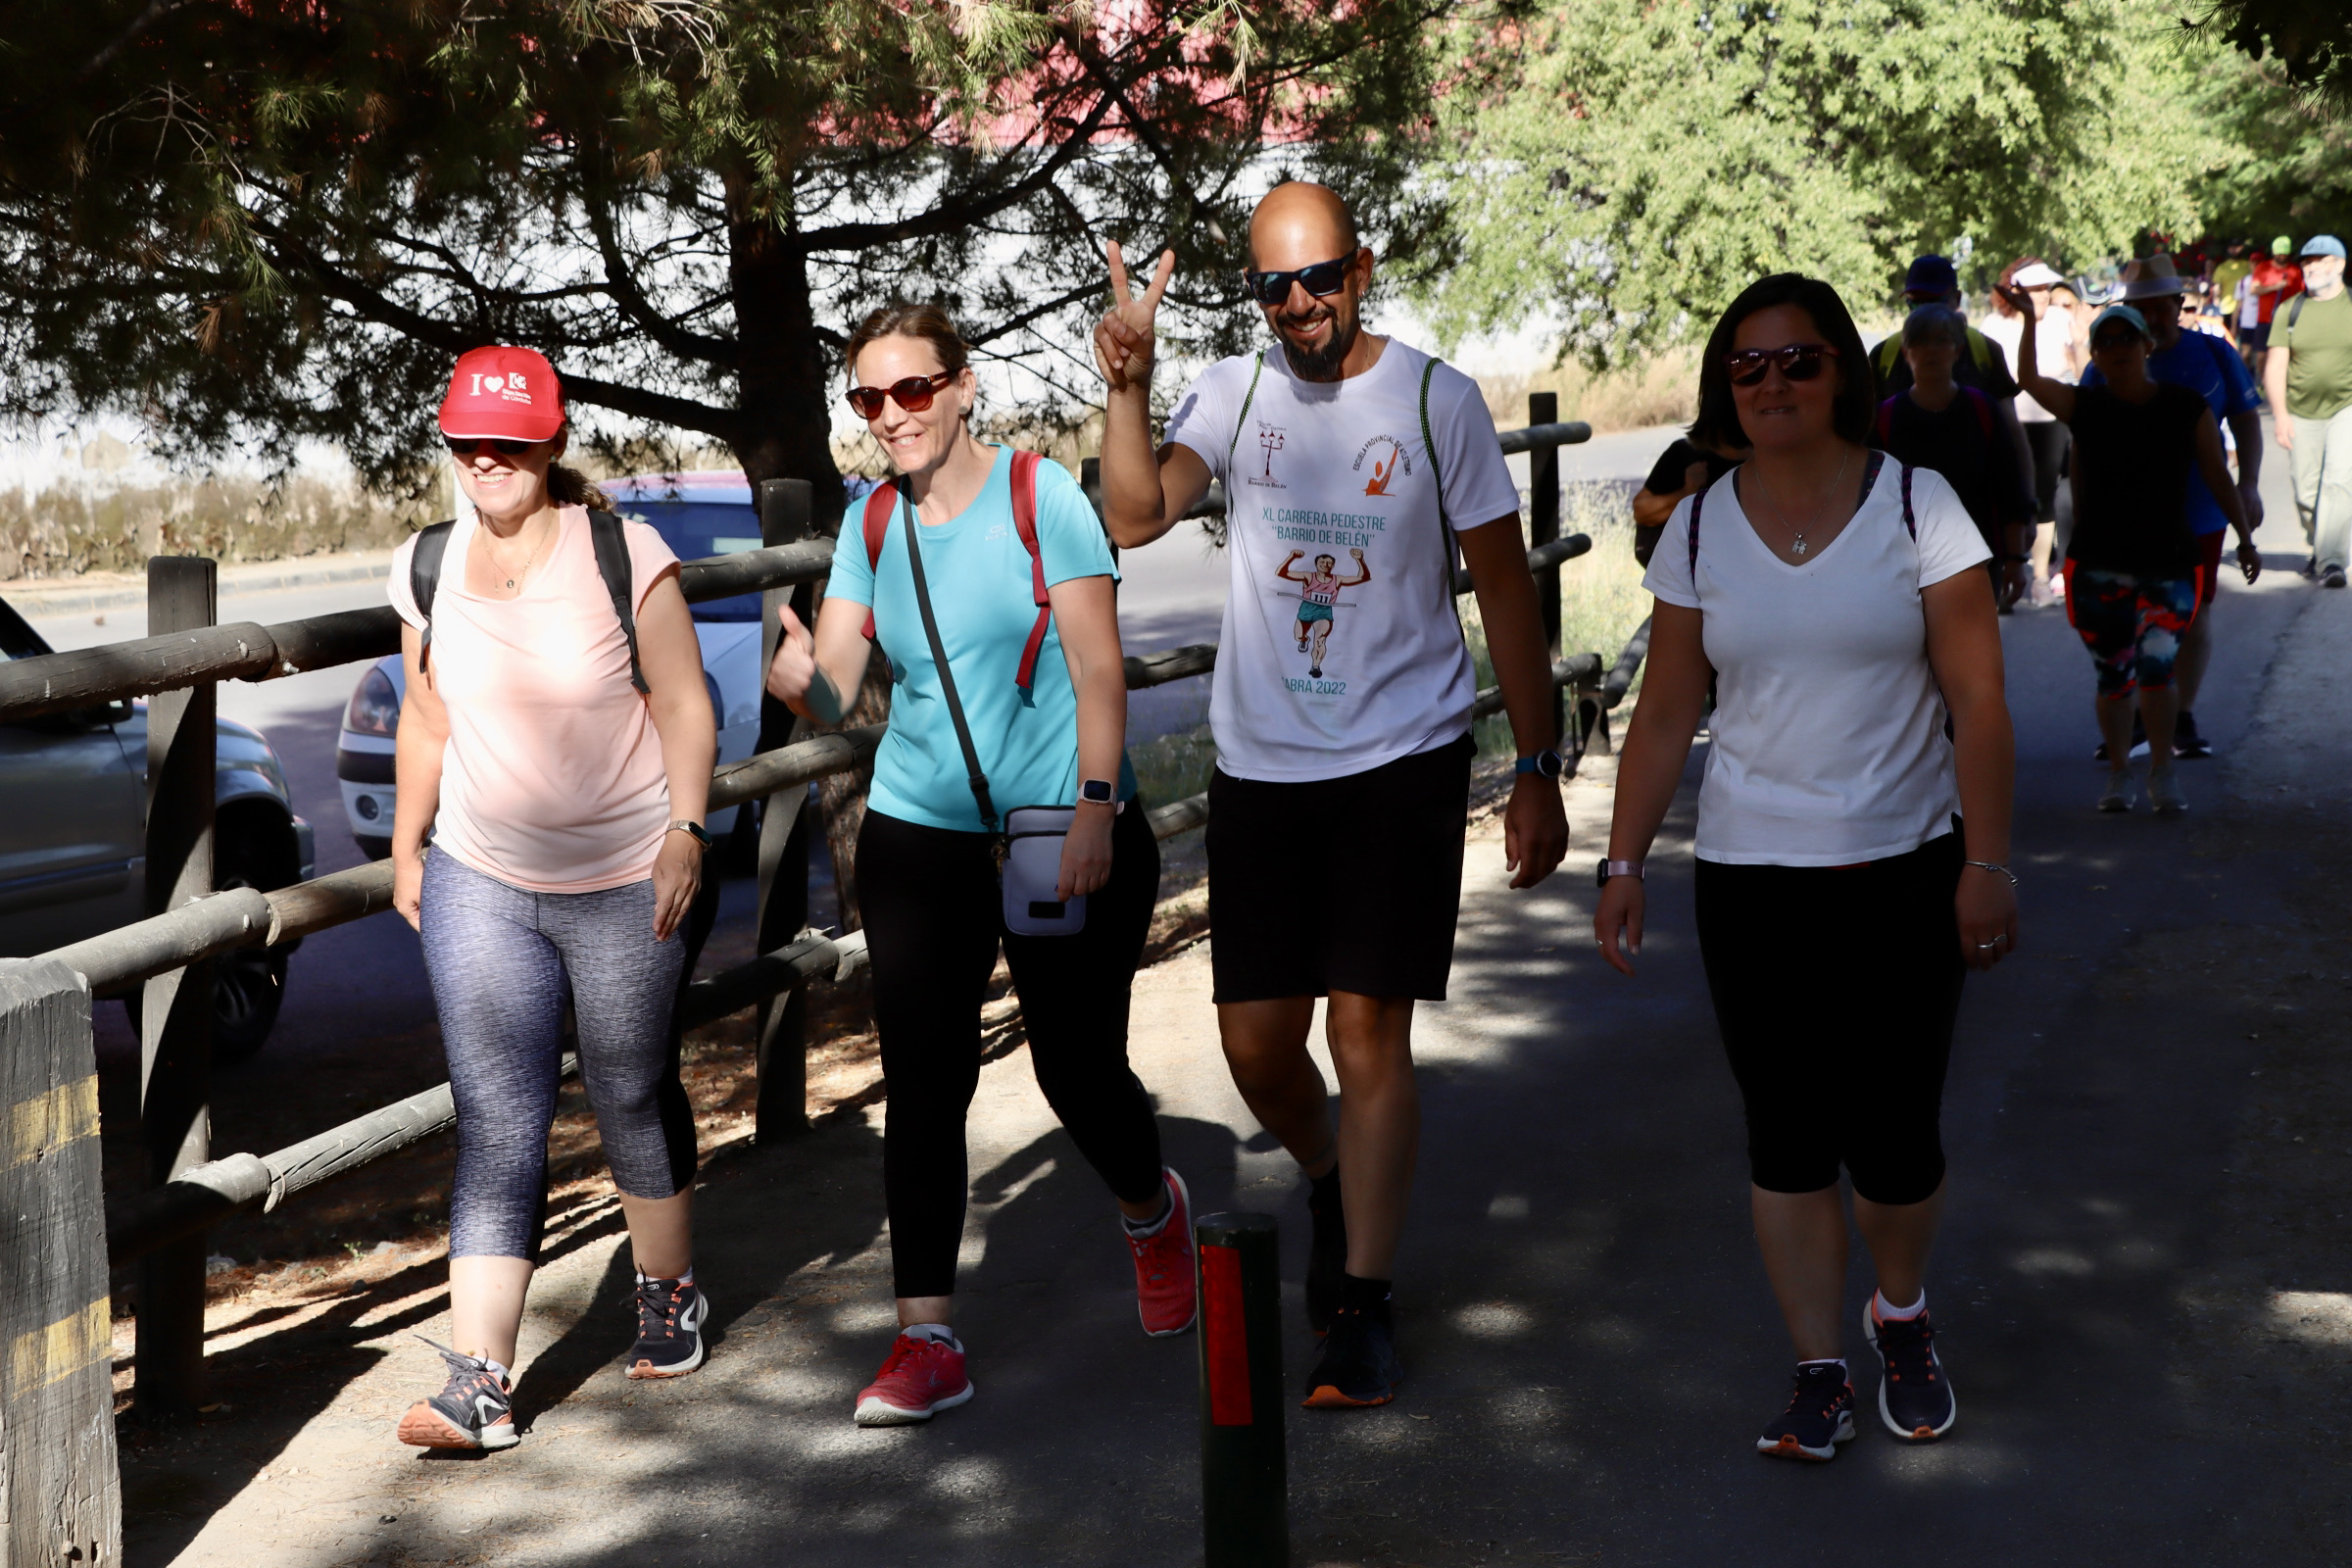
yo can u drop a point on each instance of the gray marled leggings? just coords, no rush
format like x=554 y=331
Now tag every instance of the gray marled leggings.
x=502 y=961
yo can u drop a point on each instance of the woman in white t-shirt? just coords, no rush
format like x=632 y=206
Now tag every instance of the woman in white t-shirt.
x=1827 y=593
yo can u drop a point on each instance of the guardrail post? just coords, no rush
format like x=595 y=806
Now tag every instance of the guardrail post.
x=175 y=1010
x=1542 y=527
x=1245 y=1484
x=60 y=1496
x=782 y=1067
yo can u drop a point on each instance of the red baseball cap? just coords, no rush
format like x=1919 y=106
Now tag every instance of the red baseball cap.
x=504 y=393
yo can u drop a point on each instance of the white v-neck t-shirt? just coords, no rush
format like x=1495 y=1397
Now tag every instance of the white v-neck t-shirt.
x=1828 y=735
x=1341 y=648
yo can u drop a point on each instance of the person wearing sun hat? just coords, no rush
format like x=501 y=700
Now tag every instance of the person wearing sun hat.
x=2207 y=366
x=2308 y=378
x=2045 y=437
x=556 y=747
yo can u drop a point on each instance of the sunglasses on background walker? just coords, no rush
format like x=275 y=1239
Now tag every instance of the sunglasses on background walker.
x=1798 y=362
x=913 y=394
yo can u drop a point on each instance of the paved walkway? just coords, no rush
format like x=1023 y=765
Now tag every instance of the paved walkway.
x=2144 y=1287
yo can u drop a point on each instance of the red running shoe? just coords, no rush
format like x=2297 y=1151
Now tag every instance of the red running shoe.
x=1164 y=1287
x=919 y=1379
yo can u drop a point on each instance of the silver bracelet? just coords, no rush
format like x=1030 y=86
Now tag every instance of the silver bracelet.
x=1988 y=866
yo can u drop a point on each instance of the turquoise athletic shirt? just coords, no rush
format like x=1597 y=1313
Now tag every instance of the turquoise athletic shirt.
x=982 y=596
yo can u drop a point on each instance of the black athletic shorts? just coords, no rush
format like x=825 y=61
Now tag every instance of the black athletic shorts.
x=1339 y=884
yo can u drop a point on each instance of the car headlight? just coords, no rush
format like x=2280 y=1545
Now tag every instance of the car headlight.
x=374 y=707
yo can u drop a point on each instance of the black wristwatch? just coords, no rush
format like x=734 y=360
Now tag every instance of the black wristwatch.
x=1545 y=762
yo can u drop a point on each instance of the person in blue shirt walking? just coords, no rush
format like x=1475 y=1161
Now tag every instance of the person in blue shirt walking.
x=2209 y=368
x=987 y=579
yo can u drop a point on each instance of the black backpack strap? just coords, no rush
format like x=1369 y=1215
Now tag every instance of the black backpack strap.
x=425 y=572
x=975 y=774
x=614 y=564
x=1698 y=499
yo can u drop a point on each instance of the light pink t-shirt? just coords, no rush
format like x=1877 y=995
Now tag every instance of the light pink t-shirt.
x=553 y=778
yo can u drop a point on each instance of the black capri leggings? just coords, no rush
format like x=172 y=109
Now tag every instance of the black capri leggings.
x=2047 y=441
x=934 y=916
x=1842 y=1064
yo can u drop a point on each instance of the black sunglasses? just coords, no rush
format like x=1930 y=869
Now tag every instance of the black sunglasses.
x=465 y=446
x=1798 y=362
x=915 y=394
x=1322 y=279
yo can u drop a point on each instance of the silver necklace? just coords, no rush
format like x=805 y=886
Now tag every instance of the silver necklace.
x=1798 y=545
x=544 y=536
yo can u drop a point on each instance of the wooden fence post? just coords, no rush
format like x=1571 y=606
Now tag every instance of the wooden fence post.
x=1542 y=527
x=782 y=1108
x=60 y=1498
x=175 y=1010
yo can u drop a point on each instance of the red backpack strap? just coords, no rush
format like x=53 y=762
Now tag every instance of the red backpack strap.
x=1024 y=521
x=878 y=502
x=1984 y=407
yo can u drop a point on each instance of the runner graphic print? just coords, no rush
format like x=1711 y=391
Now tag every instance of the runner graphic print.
x=1318 y=597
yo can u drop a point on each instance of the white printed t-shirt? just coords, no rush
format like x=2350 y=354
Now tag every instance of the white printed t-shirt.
x=1342 y=648
x=1827 y=736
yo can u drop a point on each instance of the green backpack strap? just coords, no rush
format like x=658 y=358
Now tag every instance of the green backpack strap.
x=1257 y=366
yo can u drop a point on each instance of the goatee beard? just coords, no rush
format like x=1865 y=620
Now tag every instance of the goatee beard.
x=1323 y=364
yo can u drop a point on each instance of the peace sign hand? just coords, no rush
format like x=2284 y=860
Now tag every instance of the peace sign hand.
x=1125 y=337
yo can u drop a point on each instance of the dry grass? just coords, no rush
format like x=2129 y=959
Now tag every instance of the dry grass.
x=1662 y=391
x=67 y=529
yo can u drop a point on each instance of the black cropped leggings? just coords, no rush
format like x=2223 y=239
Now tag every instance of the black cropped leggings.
x=1837 y=990
x=933 y=921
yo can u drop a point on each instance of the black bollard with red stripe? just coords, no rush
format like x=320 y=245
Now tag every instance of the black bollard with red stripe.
x=1245 y=1484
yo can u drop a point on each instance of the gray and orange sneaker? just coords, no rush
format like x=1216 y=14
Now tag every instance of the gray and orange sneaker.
x=669 y=1328
x=1915 y=1398
x=474 y=1410
x=1820 y=1416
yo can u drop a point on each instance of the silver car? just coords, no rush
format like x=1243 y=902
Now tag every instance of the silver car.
x=72 y=853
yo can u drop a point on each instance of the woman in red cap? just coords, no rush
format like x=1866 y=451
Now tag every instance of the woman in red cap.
x=556 y=746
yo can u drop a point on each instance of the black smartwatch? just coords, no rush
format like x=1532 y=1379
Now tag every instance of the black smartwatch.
x=1545 y=762
x=1098 y=791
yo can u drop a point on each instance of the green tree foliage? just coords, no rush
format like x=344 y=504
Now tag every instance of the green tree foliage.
x=1625 y=167
x=272 y=218
x=2308 y=43
x=2288 y=149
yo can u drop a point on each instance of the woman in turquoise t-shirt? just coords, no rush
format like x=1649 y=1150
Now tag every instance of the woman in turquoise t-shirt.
x=926 y=856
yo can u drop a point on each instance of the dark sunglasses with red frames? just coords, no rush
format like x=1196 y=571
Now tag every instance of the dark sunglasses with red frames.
x=1798 y=362
x=465 y=446
x=1322 y=279
x=915 y=394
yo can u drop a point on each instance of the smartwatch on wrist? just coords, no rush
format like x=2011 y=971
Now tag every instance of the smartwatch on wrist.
x=1545 y=762
x=1097 y=791
x=1610 y=869
x=700 y=834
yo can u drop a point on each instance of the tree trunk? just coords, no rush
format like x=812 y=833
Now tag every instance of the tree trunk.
x=787 y=433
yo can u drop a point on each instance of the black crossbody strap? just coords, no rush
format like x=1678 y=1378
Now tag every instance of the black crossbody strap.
x=939 y=660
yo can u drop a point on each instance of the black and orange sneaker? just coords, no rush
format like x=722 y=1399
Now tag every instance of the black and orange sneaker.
x=1820 y=1416
x=473 y=1410
x=1359 y=1365
x=1326 y=1249
x=669 y=1328
x=1915 y=1398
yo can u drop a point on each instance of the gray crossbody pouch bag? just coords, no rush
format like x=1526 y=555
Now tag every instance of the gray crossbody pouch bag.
x=1029 y=849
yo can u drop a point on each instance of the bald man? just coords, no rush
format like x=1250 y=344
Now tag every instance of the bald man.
x=1337 y=805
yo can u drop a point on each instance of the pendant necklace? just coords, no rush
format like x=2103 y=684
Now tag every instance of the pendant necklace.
x=542 y=544
x=1798 y=546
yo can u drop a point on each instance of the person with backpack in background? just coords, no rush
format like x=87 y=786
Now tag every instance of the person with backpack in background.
x=2131 y=564
x=1938 y=425
x=1834 y=601
x=2308 y=378
x=2045 y=437
x=1934 y=280
x=1683 y=469
x=1337 y=437
x=2209 y=368
x=555 y=744
x=1003 y=814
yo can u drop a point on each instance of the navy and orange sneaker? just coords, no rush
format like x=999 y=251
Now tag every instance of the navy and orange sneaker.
x=1165 y=1289
x=1915 y=1398
x=1820 y=1415
x=669 y=1328
x=919 y=1378
x=474 y=1410
x=1359 y=1365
